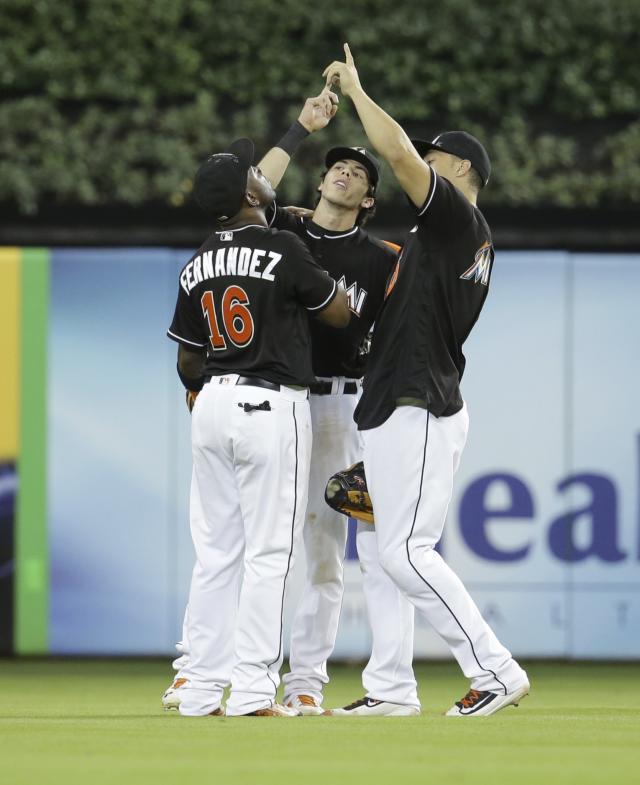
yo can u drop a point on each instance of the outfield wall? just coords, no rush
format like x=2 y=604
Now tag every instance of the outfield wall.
x=544 y=526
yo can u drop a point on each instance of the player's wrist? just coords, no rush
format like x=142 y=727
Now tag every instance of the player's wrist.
x=356 y=92
x=297 y=133
x=192 y=384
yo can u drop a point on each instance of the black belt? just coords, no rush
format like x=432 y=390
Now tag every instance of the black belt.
x=252 y=381
x=325 y=388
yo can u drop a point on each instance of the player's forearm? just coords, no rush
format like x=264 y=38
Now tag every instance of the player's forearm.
x=191 y=366
x=276 y=161
x=385 y=135
x=274 y=165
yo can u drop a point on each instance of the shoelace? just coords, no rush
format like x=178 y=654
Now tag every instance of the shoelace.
x=471 y=698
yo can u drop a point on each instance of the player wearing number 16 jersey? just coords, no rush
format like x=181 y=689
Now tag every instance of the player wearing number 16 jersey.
x=362 y=264
x=242 y=327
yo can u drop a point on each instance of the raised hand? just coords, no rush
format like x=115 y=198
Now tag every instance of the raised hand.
x=343 y=75
x=317 y=112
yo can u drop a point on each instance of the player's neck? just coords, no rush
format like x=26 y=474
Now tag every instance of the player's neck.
x=334 y=218
x=470 y=194
x=246 y=217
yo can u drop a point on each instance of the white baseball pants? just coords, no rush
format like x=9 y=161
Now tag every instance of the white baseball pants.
x=410 y=461
x=248 y=498
x=336 y=445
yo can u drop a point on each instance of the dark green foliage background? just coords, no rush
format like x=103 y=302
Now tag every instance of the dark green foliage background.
x=116 y=101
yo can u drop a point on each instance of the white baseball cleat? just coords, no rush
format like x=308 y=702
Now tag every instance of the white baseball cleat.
x=481 y=704
x=369 y=707
x=306 y=705
x=277 y=710
x=171 y=698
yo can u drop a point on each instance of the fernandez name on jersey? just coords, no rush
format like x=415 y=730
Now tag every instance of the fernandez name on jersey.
x=233 y=260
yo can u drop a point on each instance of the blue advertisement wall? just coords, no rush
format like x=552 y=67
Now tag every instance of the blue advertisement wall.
x=544 y=526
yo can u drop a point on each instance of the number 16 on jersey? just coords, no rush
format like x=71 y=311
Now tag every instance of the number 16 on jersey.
x=236 y=321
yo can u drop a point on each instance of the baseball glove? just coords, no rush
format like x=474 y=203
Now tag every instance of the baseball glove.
x=347 y=493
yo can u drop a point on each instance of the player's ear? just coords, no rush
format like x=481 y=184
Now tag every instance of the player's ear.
x=252 y=199
x=320 y=184
x=367 y=202
x=463 y=167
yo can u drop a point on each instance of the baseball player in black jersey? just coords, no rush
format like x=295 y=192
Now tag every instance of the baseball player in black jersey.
x=243 y=332
x=411 y=414
x=362 y=264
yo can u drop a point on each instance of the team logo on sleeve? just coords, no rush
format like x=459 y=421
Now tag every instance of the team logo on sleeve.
x=355 y=296
x=480 y=270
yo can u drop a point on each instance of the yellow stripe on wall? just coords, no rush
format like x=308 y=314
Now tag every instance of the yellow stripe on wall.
x=9 y=352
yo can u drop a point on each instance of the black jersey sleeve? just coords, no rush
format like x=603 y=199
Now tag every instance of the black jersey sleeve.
x=188 y=325
x=279 y=218
x=446 y=209
x=312 y=285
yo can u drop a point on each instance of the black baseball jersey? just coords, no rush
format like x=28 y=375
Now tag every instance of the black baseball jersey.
x=433 y=300
x=362 y=265
x=245 y=295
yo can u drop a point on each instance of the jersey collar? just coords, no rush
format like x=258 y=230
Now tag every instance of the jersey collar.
x=319 y=232
x=241 y=228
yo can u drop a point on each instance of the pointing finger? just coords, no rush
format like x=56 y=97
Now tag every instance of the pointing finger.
x=347 y=54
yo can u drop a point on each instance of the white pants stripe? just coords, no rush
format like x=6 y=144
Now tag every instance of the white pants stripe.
x=410 y=461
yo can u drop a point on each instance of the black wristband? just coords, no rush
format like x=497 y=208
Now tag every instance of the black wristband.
x=292 y=138
x=195 y=385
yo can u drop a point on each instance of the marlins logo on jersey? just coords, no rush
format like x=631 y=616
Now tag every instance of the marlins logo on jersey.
x=355 y=295
x=480 y=270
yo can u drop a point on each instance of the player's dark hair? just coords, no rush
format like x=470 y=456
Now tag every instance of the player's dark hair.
x=475 y=181
x=365 y=213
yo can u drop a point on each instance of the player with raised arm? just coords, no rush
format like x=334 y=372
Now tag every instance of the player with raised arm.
x=411 y=415
x=334 y=235
x=243 y=332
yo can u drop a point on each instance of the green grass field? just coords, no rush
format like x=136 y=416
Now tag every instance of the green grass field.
x=100 y=722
